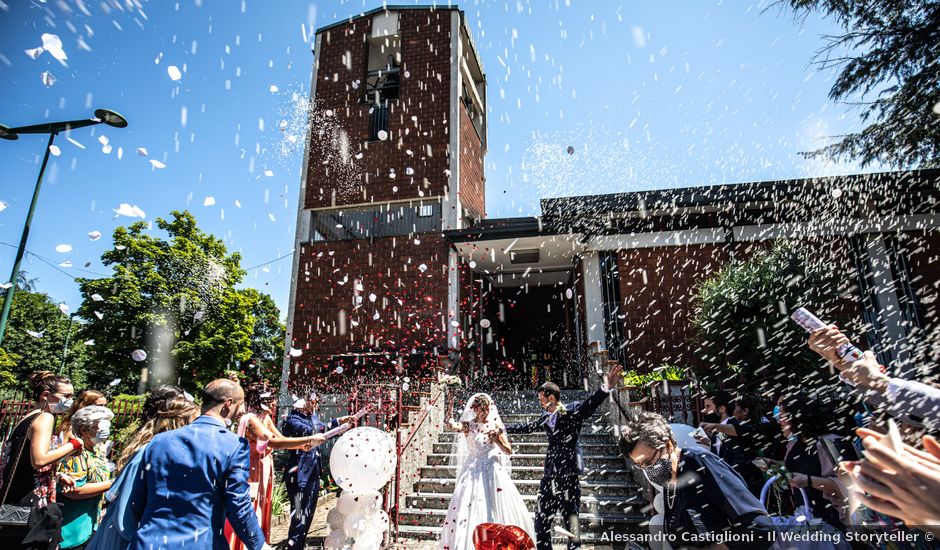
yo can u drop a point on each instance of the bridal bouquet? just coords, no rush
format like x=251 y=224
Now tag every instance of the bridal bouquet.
x=451 y=380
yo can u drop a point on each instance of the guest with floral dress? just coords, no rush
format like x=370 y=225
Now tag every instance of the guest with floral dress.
x=92 y=475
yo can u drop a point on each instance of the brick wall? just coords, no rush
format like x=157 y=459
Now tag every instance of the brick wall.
x=472 y=186
x=411 y=303
x=658 y=286
x=417 y=145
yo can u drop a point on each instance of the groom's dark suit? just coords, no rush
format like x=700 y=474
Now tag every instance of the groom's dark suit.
x=560 y=489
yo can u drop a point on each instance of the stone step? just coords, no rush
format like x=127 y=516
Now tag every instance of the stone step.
x=587 y=435
x=589 y=487
x=588 y=448
x=589 y=504
x=531 y=472
x=518 y=459
x=590 y=522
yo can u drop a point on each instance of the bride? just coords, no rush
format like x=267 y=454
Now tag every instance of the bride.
x=484 y=492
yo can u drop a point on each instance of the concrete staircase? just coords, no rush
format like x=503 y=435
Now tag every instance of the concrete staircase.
x=610 y=501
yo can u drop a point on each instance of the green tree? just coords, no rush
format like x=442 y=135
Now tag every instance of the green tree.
x=173 y=298
x=887 y=63
x=267 y=339
x=35 y=340
x=741 y=318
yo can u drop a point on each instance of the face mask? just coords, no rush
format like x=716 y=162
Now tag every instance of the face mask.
x=102 y=435
x=776 y=414
x=61 y=407
x=659 y=472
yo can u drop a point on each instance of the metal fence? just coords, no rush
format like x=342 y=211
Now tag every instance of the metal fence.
x=12 y=411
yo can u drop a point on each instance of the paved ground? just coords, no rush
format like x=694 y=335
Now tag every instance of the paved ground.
x=318 y=529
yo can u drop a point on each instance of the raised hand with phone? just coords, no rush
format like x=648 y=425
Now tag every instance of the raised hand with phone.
x=905 y=398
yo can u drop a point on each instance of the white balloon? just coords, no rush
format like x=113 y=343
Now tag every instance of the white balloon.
x=380 y=521
x=356 y=525
x=369 y=501
x=684 y=439
x=346 y=504
x=368 y=541
x=335 y=519
x=363 y=460
x=335 y=541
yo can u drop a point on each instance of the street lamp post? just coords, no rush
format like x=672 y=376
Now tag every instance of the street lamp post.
x=105 y=116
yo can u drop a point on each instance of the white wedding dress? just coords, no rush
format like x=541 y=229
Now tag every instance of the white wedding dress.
x=484 y=491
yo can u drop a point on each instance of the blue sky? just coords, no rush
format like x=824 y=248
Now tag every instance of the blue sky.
x=650 y=94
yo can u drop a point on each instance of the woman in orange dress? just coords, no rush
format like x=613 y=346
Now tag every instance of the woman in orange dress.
x=258 y=426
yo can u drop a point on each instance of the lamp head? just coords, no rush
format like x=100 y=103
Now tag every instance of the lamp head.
x=6 y=133
x=111 y=118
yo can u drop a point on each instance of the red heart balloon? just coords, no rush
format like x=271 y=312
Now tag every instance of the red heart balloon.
x=494 y=536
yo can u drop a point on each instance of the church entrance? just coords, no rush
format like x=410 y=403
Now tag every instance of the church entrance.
x=529 y=338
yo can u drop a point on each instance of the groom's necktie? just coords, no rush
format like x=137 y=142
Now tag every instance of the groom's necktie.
x=552 y=419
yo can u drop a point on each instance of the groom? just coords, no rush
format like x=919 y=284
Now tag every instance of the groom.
x=560 y=489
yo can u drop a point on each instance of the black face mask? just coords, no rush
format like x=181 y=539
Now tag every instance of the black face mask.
x=711 y=418
x=660 y=471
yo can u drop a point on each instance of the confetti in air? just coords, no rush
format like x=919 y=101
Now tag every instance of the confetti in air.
x=174 y=73
x=131 y=211
x=47 y=78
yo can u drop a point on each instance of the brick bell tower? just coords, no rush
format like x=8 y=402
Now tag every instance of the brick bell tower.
x=394 y=158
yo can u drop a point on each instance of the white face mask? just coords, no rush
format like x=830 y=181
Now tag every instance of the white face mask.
x=62 y=406
x=102 y=435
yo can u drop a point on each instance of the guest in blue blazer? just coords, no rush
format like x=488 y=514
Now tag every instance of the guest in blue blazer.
x=194 y=478
x=303 y=470
x=560 y=488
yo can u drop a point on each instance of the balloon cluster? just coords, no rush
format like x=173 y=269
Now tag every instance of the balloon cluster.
x=362 y=463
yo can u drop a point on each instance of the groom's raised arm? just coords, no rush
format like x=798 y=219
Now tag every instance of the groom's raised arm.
x=582 y=411
x=586 y=408
x=526 y=427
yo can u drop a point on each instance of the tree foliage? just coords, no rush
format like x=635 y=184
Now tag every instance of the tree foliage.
x=35 y=339
x=887 y=63
x=741 y=318
x=267 y=339
x=173 y=298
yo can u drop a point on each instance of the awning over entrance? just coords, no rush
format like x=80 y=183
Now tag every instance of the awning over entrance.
x=517 y=253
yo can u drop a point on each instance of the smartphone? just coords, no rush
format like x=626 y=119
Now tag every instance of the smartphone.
x=836 y=453
x=810 y=322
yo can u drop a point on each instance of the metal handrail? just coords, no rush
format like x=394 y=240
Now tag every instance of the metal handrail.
x=400 y=451
x=421 y=419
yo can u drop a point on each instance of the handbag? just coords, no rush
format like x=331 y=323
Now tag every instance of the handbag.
x=12 y=515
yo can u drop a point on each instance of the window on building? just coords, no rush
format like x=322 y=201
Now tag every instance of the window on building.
x=383 y=68
x=386 y=220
